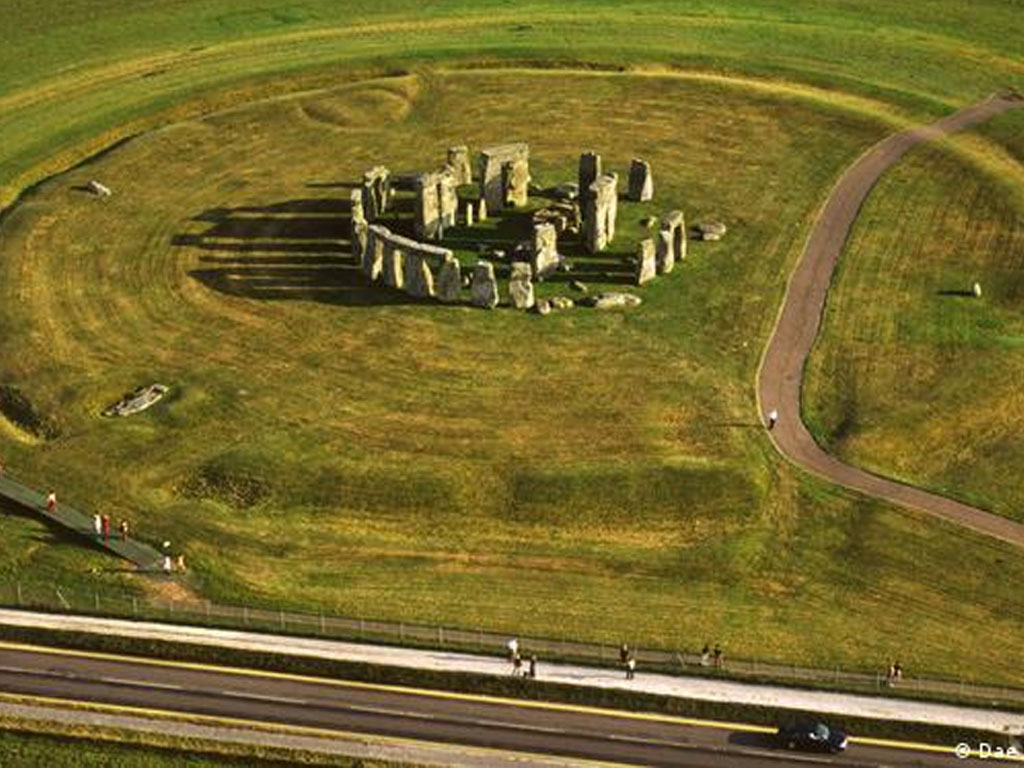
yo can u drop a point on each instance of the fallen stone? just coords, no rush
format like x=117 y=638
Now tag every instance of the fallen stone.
x=562 y=302
x=100 y=190
x=137 y=400
x=542 y=307
x=712 y=230
x=576 y=285
x=484 y=286
x=615 y=300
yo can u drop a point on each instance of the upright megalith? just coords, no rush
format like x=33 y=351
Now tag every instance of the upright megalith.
x=376 y=192
x=544 y=249
x=427 y=210
x=671 y=241
x=520 y=287
x=419 y=280
x=641 y=182
x=394 y=268
x=358 y=229
x=468 y=216
x=447 y=198
x=373 y=254
x=458 y=164
x=505 y=175
x=589 y=172
x=449 y=280
x=484 y=286
x=601 y=208
x=646 y=265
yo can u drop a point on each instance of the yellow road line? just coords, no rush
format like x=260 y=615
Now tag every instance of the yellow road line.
x=454 y=695
x=295 y=730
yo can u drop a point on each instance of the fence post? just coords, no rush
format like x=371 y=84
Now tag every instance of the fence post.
x=245 y=615
x=96 y=599
x=836 y=679
x=440 y=636
x=401 y=631
x=479 y=639
x=207 y=611
x=323 y=627
x=19 y=593
x=282 y=619
x=362 y=629
x=135 y=606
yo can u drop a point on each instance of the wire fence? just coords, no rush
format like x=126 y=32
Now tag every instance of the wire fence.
x=111 y=603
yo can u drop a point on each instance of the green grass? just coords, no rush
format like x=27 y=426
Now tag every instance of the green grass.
x=584 y=475
x=913 y=381
x=53 y=745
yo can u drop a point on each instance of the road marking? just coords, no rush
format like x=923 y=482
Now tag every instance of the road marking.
x=428 y=693
x=257 y=697
x=300 y=730
x=139 y=683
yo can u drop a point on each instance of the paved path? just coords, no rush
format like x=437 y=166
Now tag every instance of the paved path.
x=875 y=707
x=780 y=376
x=142 y=555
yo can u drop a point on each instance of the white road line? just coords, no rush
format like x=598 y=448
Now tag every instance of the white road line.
x=140 y=683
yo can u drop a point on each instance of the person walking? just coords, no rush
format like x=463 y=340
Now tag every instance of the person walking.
x=51 y=502
x=631 y=667
x=773 y=419
x=106 y=529
x=97 y=526
x=517 y=664
x=718 y=656
x=705 y=656
x=512 y=649
x=897 y=672
x=623 y=654
x=532 y=673
x=124 y=530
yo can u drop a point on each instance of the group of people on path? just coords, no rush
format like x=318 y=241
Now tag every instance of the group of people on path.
x=515 y=658
x=101 y=528
x=712 y=656
x=101 y=525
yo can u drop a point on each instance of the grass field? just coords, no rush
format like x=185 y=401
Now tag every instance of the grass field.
x=584 y=476
x=912 y=377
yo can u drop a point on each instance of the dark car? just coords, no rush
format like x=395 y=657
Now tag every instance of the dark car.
x=812 y=736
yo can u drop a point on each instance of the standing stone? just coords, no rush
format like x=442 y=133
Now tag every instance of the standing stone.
x=646 y=265
x=358 y=230
x=674 y=223
x=376 y=192
x=481 y=210
x=589 y=172
x=520 y=289
x=458 y=162
x=419 y=281
x=544 y=249
x=394 y=268
x=641 y=182
x=665 y=252
x=504 y=175
x=427 y=221
x=448 y=198
x=469 y=213
x=373 y=256
x=601 y=210
x=484 y=286
x=449 y=280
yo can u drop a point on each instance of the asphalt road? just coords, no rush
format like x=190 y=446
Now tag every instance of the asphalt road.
x=448 y=718
x=781 y=374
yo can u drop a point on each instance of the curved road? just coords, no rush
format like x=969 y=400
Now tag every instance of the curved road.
x=781 y=373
